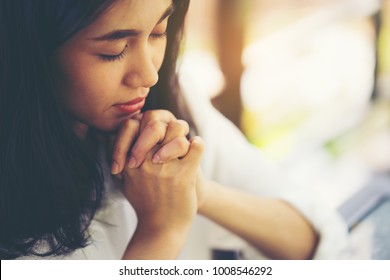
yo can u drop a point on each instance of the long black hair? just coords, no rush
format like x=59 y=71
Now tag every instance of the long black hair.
x=51 y=183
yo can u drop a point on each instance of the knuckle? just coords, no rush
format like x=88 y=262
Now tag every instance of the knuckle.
x=174 y=125
x=182 y=143
x=157 y=114
x=179 y=127
x=184 y=125
x=157 y=129
x=156 y=125
x=164 y=112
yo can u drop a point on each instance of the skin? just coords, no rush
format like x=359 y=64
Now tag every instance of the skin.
x=161 y=177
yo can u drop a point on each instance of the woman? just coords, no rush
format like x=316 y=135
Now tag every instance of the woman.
x=74 y=77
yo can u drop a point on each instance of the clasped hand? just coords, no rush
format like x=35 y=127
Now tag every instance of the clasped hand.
x=159 y=169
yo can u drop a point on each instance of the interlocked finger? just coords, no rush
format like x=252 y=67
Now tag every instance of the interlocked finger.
x=175 y=143
x=125 y=137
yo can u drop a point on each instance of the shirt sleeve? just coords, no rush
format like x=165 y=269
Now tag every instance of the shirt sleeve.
x=231 y=160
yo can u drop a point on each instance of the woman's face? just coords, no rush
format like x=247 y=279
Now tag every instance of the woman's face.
x=107 y=69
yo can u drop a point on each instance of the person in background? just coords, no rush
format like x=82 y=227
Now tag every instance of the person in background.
x=99 y=158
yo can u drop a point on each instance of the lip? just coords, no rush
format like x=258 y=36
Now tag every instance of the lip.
x=131 y=106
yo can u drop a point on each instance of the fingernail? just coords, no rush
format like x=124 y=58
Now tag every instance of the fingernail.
x=115 y=168
x=157 y=159
x=132 y=163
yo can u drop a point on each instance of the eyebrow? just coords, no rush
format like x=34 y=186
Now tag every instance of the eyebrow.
x=124 y=33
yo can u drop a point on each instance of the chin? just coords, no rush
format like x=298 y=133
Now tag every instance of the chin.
x=113 y=128
x=108 y=125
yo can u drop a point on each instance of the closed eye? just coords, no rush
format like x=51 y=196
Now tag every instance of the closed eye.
x=158 y=35
x=114 y=57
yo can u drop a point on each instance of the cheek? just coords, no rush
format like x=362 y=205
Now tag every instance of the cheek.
x=85 y=82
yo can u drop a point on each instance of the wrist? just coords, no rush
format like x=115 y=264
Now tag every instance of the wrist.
x=210 y=200
x=151 y=243
x=168 y=230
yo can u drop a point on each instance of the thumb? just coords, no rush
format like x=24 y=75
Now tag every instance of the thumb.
x=195 y=152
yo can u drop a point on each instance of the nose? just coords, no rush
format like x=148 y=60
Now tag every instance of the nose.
x=142 y=70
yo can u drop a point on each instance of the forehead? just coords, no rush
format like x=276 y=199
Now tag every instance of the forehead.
x=128 y=14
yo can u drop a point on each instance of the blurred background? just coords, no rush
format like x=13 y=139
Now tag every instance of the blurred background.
x=307 y=82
